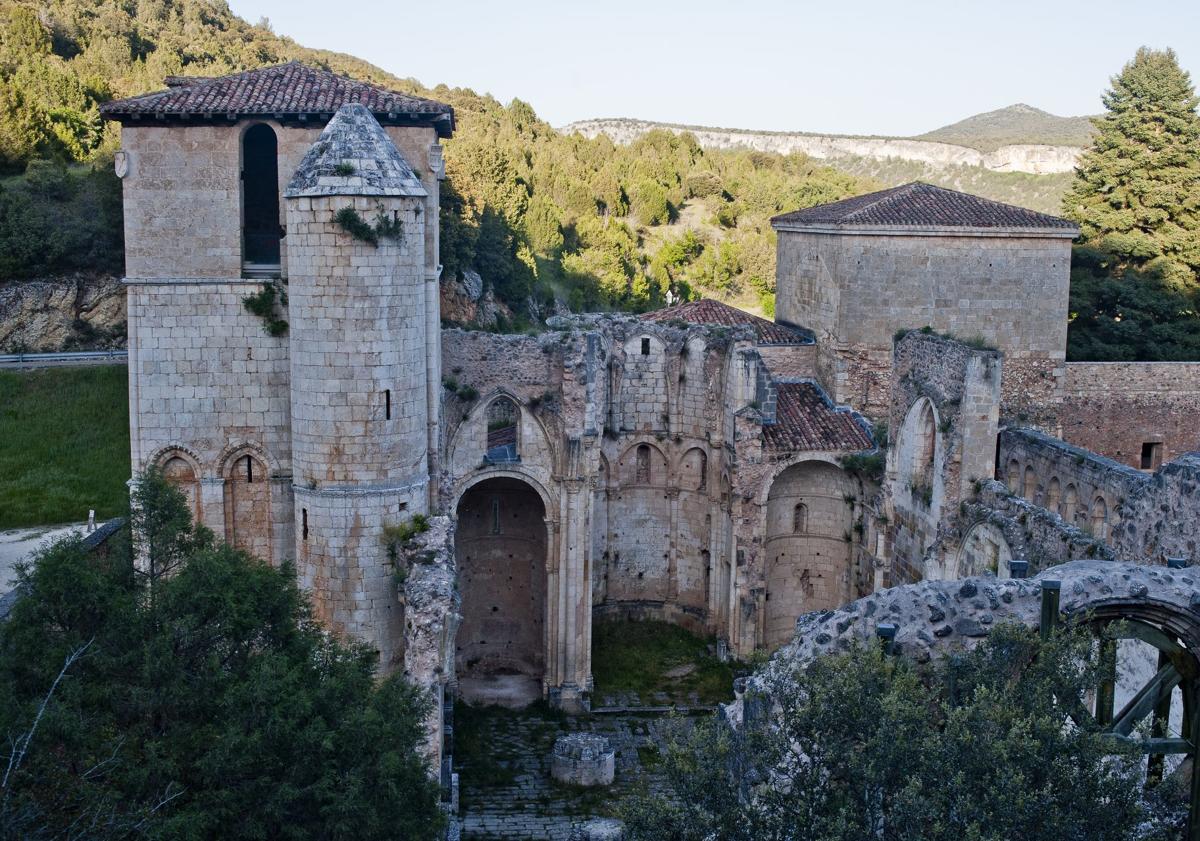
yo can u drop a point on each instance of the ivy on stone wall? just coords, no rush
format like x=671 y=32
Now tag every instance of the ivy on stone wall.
x=352 y=223
x=265 y=304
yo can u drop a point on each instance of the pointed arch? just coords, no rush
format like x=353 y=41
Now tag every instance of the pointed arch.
x=247 y=501
x=182 y=469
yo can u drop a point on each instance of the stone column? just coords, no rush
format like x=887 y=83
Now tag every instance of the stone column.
x=568 y=690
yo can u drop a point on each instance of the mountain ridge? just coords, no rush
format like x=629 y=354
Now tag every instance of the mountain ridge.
x=1032 y=158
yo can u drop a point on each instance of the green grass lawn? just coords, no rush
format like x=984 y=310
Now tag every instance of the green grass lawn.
x=64 y=444
x=638 y=657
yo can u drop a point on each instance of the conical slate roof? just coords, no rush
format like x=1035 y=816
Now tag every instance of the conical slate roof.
x=354 y=157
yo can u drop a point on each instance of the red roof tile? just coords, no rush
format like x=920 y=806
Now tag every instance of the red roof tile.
x=923 y=205
x=284 y=90
x=707 y=311
x=806 y=420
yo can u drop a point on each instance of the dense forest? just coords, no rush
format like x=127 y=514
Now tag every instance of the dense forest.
x=542 y=217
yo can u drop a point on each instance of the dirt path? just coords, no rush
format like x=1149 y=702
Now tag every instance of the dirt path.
x=18 y=544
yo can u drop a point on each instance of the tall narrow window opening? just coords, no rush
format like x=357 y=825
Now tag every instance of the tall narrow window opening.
x=502 y=444
x=645 y=347
x=261 y=231
x=800 y=518
x=387 y=404
x=249 y=470
x=304 y=524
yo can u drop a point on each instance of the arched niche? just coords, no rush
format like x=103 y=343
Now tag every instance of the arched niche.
x=983 y=550
x=916 y=452
x=248 y=503
x=643 y=465
x=693 y=470
x=1029 y=484
x=501 y=543
x=181 y=470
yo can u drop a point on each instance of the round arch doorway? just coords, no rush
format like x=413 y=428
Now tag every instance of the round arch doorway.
x=500 y=548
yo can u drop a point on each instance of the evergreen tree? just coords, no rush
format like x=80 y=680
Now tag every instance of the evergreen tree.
x=1136 y=194
x=216 y=709
x=1135 y=287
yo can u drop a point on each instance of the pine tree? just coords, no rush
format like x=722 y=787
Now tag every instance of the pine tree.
x=1136 y=194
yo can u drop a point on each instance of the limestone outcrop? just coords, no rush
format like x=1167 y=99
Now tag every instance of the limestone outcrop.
x=73 y=313
x=1033 y=158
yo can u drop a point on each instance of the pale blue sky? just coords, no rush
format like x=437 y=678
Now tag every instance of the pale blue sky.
x=866 y=67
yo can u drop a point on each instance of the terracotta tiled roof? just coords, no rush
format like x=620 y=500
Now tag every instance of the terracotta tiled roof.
x=923 y=205
x=706 y=311
x=806 y=420
x=284 y=90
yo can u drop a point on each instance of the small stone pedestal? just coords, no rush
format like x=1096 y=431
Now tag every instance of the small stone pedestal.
x=583 y=759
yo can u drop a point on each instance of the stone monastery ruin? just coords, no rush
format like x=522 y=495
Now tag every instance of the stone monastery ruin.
x=696 y=464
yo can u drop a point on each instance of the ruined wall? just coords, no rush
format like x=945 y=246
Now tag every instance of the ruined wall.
x=1114 y=408
x=857 y=290
x=1081 y=487
x=1058 y=502
x=945 y=399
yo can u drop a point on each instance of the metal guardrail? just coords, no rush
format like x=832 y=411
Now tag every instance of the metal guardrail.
x=72 y=356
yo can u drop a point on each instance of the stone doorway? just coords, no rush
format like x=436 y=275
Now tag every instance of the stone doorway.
x=500 y=549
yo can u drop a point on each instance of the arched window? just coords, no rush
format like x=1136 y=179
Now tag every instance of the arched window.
x=1029 y=491
x=800 y=518
x=1070 y=505
x=1053 y=495
x=502 y=443
x=643 y=464
x=1100 y=518
x=261 y=231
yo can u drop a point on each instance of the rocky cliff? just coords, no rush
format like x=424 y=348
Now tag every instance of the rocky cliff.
x=1030 y=158
x=69 y=313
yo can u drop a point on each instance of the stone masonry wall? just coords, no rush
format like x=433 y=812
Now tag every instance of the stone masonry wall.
x=207 y=382
x=943 y=421
x=182 y=193
x=1113 y=408
x=1068 y=502
x=856 y=290
x=357 y=316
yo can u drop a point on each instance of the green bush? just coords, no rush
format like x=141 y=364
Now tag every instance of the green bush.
x=55 y=221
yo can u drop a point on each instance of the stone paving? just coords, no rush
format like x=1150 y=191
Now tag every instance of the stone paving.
x=530 y=805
